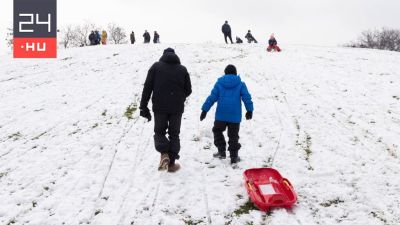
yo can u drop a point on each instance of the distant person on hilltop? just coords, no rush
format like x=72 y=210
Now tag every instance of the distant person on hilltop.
x=250 y=37
x=168 y=85
x=92 y=38
x=104 y=37
x=98 y=37
x=228 y=92
x=132 y=36
x=226 y=30
x=238 y=40
x=146 y=37
x=156 y=38
x=273 y=44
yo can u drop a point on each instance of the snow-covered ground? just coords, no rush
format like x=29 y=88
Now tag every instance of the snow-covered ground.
x=327 y=118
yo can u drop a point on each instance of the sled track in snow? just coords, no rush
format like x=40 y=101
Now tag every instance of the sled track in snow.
x=58 y=123
x=38 y=201
x=203 y=182
x=126 y=130
x=139 y=150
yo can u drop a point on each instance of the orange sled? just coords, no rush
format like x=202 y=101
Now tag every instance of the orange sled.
x=267 y=188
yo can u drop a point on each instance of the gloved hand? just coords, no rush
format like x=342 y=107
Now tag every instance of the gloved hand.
x=203 y=115
x=249 y=115
x=145 y=112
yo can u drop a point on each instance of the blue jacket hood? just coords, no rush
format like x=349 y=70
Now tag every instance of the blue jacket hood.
x=229 y=81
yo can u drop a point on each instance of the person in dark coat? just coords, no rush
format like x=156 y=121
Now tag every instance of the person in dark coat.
x=92 y=38
x=156 y=38
x=226 y=30
x=228 y=92
x=98 y=37
x=146 y=37
x=132 y=36
x=168 y=83
x=273 y=44
x=238 y=40
x=250 y=37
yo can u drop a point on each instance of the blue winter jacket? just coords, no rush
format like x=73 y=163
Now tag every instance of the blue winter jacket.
x=228 y=92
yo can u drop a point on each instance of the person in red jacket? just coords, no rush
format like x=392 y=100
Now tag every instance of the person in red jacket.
x=273 y=44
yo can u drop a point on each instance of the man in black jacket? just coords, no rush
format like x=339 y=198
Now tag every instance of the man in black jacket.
x=132 y=38
x=169 y=83
x=156 y=38
x=226 y=29
x=146 y=37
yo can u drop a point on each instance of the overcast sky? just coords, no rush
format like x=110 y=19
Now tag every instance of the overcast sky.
x=317 y=22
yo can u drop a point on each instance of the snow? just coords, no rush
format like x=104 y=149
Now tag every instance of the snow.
x=327 y=118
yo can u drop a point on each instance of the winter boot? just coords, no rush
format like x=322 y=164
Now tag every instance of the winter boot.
x=235 y=160
x=164 y=162
x=172 y=168
x=220 y=155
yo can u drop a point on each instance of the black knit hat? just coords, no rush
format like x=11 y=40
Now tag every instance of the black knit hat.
x=169 y=50
x=230 y=69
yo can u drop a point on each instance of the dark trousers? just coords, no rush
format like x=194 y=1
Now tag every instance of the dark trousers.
x=228 y=36
x=170 y=123
x=233 y=135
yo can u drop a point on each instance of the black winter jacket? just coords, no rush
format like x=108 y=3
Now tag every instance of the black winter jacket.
x=169 y=82
x=226 y=29
x=272 y=42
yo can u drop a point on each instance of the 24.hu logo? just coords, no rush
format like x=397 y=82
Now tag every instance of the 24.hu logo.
x=35 y=28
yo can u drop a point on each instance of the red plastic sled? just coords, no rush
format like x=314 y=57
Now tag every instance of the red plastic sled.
x=267 y=188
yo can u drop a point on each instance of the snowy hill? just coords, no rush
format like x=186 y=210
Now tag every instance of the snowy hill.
x=74 y=151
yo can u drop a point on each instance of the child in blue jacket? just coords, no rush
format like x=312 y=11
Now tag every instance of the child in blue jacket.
x=228 y=92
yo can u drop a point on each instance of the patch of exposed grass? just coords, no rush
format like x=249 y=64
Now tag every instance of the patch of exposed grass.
x=74 y=132
x=268 y=163
x=95 y=125
x=66 y=58
x=396 y=97
x=245 y=208
x=332 y=202
x=15 y=136
x=104 y=113
x=40 y=135
x=12 y=221
x=379 y=217
x=189 y=221
x=130 y=110
x=296 y=122
x=98 y=211
x=307 y=147
x=3 y=174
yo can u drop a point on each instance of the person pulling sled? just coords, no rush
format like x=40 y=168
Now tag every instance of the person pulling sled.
x=250 y=38
x=228 y=92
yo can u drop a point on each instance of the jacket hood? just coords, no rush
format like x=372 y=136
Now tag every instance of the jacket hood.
x=170 y=58
x=229 y=81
